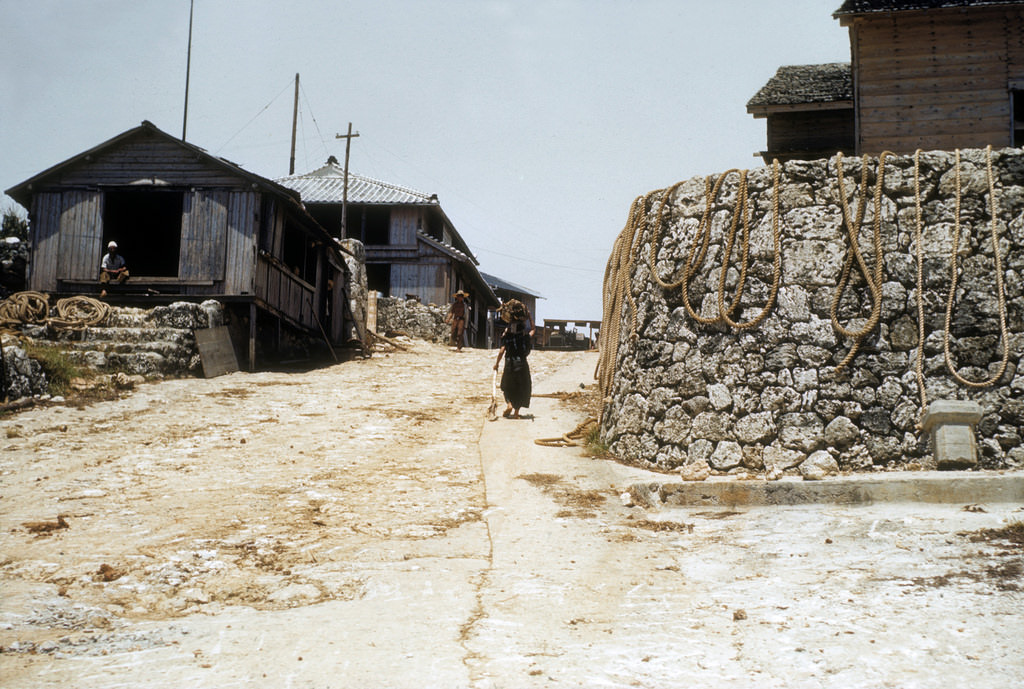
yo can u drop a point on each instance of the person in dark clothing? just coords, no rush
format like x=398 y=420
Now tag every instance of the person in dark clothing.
x=515 y=347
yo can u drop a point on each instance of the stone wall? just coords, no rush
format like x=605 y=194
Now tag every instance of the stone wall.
x=766 y=399
x=425 y=321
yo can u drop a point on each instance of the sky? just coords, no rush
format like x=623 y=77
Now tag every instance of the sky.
x=536 y=122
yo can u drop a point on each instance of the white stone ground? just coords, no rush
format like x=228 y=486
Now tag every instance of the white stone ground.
x=365 y=526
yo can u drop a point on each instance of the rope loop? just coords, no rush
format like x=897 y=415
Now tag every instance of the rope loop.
x=954 y=269
x=872 y=277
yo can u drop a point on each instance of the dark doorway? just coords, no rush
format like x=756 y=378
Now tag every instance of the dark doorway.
x=378 y=278
x=147 y=228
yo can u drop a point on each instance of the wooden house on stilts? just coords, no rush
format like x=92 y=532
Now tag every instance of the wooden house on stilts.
x=192 y=227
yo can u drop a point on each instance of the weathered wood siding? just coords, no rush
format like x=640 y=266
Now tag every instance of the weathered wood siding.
x=203 y=236
x=81 y=235
x=402 y=230
x=810 y=132
x=45 y=234
x=148 y=158
x=242 y=235
x=218 y=242
x=284 y=292
x=936 y=80
x=426 y=279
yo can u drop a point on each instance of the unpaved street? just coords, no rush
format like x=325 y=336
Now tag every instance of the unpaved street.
x=364 y=525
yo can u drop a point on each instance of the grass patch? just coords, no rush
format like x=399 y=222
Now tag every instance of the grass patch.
x=57 y=366
x=593 y=444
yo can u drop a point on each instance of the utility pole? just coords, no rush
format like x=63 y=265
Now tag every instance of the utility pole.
x=344 y=194
x=295 y=120
x=188 y=69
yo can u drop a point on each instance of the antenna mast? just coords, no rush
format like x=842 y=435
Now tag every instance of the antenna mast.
x=295 y=119
x=188 y=68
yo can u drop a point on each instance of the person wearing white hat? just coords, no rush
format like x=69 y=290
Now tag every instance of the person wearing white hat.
x=113 y=266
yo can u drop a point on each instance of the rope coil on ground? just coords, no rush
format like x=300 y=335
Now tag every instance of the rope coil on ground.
x=569 y=439
x=24 y=307
x=30 y=307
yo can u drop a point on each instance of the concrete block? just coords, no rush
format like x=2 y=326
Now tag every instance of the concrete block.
x=950 y=425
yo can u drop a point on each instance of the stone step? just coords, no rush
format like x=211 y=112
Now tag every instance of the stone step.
x=128 y=335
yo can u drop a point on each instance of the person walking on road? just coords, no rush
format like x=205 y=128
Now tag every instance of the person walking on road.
x=515 y=347
x=457 y=316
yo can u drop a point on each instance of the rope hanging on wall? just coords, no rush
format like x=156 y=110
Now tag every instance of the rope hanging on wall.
x=618 y=271
x=616 y=293
x=954 y=269
x=873 y=278
x=702 y=239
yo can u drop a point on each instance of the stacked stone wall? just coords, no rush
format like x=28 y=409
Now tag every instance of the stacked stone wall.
x=711 y=397
x=408 y=316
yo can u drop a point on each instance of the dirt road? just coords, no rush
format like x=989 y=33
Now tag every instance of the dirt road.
x=363 y=525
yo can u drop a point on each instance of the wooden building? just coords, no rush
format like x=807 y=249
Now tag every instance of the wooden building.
x=191 y=226
x=412 y=249
x=809 y=112
x=929 y=74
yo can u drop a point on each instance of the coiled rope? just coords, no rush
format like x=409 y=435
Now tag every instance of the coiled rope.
x=33 y=308
x=24 y=307
x=873 y=278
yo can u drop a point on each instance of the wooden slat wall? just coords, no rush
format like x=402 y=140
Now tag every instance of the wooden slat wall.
x=242 y=235
x=824 y=129
x=45 y=227
x=137 y=159
x=203 y=236
x=425 y=279
x=81 y=235
x=937 y=79
x=285 y=292
x=402 y=231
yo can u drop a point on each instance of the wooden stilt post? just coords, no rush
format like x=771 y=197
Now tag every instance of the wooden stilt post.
x=252 y=336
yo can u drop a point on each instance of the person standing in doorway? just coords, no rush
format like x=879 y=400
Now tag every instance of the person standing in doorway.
x=515 y=347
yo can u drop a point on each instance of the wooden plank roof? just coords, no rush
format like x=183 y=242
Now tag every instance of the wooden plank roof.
x=22 y=193
x=826 y=84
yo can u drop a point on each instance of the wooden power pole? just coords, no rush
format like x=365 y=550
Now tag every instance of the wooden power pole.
x=344 y=193
x=295 y=121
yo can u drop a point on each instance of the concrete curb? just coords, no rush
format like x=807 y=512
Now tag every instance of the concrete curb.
x=925 y=487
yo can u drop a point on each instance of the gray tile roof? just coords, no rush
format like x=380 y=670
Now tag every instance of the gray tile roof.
x=326 y=185
x=866 y=6
x=497 y=283
x=800 y=84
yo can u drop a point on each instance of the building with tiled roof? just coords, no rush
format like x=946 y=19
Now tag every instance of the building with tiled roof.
x=412 y=248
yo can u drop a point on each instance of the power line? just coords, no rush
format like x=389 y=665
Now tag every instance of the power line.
x=534 y=261
x=287 y=86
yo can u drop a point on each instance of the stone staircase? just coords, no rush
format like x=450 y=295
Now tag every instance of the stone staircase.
x=154 y=342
